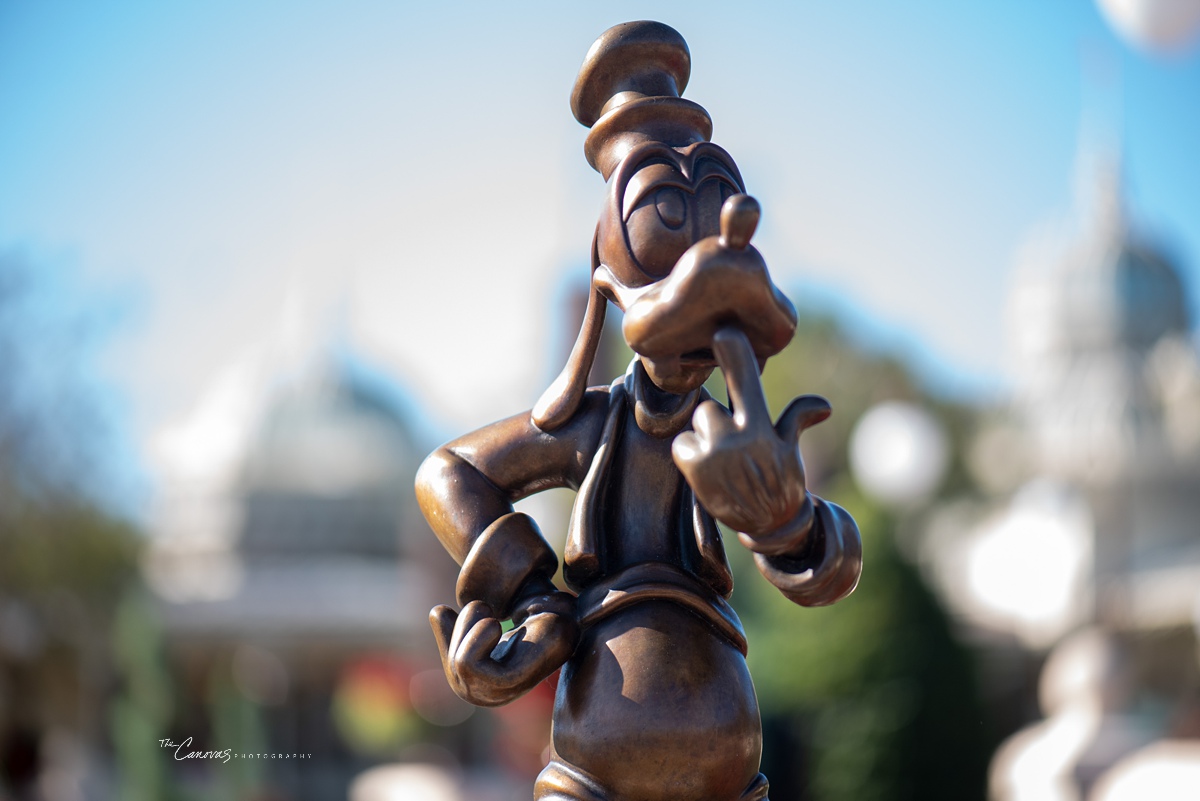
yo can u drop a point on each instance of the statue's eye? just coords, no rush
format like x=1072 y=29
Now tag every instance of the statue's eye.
x=658 y=213
x=658 y=231
x=672 y=208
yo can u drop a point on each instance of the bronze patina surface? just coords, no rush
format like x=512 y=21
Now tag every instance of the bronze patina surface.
x=654 y=699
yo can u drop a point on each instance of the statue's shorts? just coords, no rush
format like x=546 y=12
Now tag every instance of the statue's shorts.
x=657 y=703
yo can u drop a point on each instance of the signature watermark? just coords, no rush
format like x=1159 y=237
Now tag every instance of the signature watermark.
x=182 y=752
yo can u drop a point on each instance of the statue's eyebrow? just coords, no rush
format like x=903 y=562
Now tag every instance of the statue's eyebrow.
x=650 y=177
x=709 y=167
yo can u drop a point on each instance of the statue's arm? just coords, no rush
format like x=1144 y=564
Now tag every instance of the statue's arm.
x=467 y=485
x=466 y=490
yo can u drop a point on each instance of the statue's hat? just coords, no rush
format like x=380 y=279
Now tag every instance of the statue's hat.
x=628 y=92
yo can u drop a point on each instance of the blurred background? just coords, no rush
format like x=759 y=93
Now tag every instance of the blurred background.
x=256 y=261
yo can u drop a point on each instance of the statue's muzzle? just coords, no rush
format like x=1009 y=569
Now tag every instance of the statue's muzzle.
x=720 y=281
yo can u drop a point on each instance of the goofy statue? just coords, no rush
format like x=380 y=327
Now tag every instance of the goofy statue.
x=654 y=700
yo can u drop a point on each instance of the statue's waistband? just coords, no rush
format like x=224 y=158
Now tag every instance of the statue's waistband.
x=657 y=581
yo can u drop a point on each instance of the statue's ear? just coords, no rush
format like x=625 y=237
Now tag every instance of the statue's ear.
x=559 y=402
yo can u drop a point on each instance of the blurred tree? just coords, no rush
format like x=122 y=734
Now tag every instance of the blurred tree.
x=875 y=690
x=65 y=559
x=67 y=545
x=57 y=437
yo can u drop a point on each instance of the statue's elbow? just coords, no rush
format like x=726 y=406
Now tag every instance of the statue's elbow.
x=436 y=478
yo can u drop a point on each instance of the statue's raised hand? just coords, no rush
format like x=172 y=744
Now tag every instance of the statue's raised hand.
x=747 y=472
x=489 y=667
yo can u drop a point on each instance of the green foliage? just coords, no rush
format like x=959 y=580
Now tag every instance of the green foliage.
x=140 y=714
x=238 y=725
x=68 y=544
x=886 y=693
x=138 y=653
x=883 y=694
x=60 y=549
x=55 y=535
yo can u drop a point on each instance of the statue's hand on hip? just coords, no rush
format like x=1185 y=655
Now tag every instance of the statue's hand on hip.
x=489 y=667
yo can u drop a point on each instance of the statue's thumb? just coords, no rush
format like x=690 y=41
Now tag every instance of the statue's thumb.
x=804 y=411
x=441 y=620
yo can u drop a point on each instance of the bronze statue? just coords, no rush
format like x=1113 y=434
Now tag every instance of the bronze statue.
x=654 y=699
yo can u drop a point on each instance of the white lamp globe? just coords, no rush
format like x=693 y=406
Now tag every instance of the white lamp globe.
x=898 y=453
x=1154 y=25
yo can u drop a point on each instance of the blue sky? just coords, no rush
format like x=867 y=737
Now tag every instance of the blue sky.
x=245 y=172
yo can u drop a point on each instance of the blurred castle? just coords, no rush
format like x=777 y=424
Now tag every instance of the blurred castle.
x=295 y=575
x=315 y=531
x=1100 y=459
x=1110 y=394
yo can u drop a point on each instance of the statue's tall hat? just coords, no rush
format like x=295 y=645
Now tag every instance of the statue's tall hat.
x=628 y=92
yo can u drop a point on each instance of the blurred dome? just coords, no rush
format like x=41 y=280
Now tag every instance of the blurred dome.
x=334 y=430
x=329 y=467
x=310 y=494
x=1103 y=288
x=1088 y=310
x=1117 y=293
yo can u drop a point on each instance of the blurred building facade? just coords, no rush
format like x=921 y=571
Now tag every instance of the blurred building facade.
x=294 y=576
x=1110 y=397
x=1094 y=524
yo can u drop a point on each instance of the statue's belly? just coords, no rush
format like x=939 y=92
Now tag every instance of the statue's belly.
x=656 y=705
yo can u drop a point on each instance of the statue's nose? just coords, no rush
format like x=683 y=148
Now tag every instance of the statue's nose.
x=719 y=281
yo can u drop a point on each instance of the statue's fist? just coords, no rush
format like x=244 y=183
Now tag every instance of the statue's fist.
x=488 y=667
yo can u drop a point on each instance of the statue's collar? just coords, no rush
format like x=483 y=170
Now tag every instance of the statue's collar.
x=659 y=414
